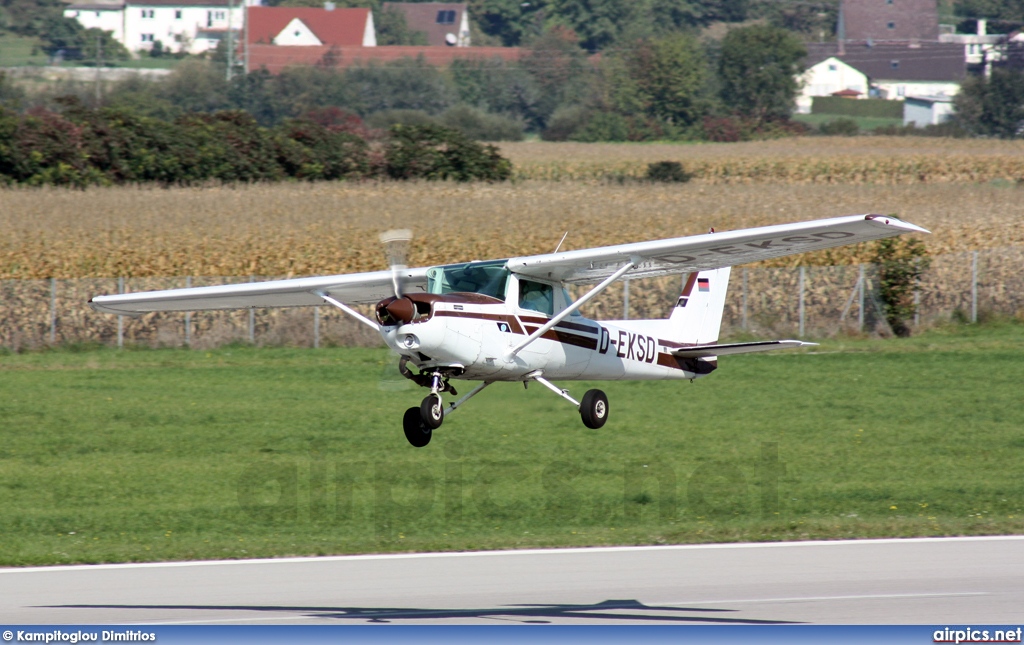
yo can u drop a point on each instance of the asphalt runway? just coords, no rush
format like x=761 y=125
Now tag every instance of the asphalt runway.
x=922 y=581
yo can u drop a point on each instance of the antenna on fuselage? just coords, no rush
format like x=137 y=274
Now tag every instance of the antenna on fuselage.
x=396 y=246
x=560 y=242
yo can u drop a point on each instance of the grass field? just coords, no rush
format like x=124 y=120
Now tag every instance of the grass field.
x=16 y=51
x=238 y=452
x=865 y=123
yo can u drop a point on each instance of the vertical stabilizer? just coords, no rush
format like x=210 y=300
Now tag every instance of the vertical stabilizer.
x=697 y=316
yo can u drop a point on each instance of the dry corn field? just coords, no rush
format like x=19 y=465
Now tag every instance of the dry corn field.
x=302 y=229
x=154 y=236
x=801 y=160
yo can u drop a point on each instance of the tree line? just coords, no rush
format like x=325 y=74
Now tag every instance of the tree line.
x=80 y=146
x=672 y=87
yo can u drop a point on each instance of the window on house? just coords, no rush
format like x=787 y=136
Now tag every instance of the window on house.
x=446 y=17
x=177 y=14
x=147 y=38
x=895 y=64
x=888 y=1
x=891 y=25
x=218 y=15
x=147 y=13
x=832 y=67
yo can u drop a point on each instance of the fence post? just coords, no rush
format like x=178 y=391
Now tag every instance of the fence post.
x=802 y=272
x=974 y=286
x=120 y=319
x=860 y=313
x=744 y=319
x=252 y=319
x=53 y=311
x=188 y=316
x=626 y=300
x=316 y=327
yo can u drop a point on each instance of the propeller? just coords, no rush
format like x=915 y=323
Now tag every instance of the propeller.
x=396 y=247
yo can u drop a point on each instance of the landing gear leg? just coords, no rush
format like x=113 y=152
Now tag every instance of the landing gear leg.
x=431 y=409
x=593 y=408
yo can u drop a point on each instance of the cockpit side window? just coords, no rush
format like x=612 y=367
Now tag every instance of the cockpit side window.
x=536 y=296
x=487 y=278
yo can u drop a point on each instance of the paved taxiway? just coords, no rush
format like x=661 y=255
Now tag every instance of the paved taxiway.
x=932 y=581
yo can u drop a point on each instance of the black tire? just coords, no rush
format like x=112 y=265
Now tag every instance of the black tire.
x=416 y=431
x=594 y=409
x=431 y=412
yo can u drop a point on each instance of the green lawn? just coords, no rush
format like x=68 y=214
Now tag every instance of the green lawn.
x=866 y=123
x=171 y=454
x=16 y=51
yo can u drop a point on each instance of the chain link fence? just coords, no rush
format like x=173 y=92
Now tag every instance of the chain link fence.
x=811 y=302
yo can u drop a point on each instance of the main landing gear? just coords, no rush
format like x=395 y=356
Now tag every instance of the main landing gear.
x=593 y=408
x=420 y=422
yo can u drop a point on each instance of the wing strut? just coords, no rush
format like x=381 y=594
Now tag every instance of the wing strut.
x=349 y=310
x=565 y=313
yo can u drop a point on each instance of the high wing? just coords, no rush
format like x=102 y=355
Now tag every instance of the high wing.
x=659 y=257
x=710 y=251
x=354 y=288
x=703 y=351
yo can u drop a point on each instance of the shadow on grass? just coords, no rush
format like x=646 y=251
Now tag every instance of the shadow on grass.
x=602 y=611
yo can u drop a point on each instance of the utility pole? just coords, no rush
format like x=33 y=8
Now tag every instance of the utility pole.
x=231 y=44
x=99 y=64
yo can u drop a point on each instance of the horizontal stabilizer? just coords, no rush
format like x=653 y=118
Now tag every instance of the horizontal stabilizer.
x=702 y=351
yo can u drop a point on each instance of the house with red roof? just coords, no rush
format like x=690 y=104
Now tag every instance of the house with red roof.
x=310 y=27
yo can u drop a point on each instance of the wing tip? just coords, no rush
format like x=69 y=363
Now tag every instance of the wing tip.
x=896 y=222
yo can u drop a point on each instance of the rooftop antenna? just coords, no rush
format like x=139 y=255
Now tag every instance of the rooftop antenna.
x=560 y=242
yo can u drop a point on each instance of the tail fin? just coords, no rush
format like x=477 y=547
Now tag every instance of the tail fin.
x=697 y=316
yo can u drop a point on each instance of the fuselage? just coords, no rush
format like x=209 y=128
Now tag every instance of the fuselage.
x=469 y=335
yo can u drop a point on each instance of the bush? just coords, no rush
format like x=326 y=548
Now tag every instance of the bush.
x=434 y=152
x=565 y=122
x=384 y=119
x=667 y=172
x=840 y=127
x=82 y=146
x=950 y=129
x=901 y=263
x=482 y=126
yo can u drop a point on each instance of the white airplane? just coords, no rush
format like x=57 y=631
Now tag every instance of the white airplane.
x=513 y=319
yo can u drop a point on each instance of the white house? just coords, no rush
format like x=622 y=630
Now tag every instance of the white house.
x=827 y=77
x=192 y=26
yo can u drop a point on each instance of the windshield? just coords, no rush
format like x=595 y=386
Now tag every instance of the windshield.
x=488 y=278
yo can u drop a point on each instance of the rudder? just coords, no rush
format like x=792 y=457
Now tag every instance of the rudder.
x=697 y=316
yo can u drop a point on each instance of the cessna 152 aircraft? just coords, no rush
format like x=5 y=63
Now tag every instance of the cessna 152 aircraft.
x=513 y=319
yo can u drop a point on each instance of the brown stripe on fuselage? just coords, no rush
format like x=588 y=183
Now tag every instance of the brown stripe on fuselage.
x=565 y=337
x=511 y=320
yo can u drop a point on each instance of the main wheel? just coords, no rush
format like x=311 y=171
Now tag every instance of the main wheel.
x=416 y=431
x=594 y=409
x=431 y=412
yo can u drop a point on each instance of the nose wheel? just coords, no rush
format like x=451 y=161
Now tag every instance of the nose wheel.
x=416 y=431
